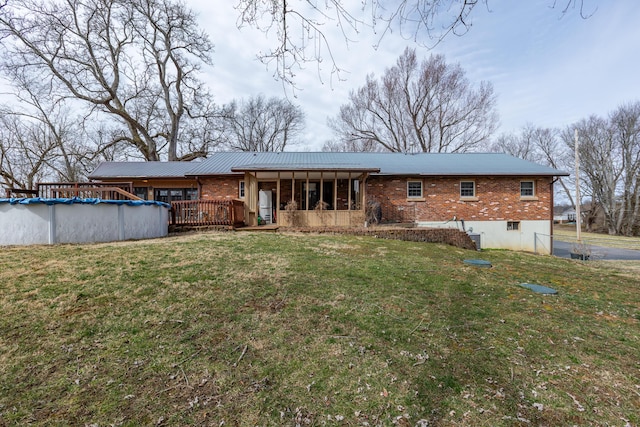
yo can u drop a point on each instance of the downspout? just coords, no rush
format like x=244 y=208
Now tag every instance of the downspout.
x=553 y=181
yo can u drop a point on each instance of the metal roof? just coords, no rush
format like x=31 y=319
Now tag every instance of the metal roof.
x=142 y=170
x=421 y=164
x=304 y=167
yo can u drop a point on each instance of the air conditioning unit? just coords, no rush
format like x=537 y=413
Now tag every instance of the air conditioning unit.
x=476 y=239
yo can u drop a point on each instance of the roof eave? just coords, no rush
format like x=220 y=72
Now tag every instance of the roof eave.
x=138 y=177
x=505 y=174
x=303 y=169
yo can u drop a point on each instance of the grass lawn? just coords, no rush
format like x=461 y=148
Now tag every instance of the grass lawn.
x=568 y=233
x=275 y=329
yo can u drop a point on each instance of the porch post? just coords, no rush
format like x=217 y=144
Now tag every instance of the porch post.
x=245 y=202
x=278 y=198
x=349 y=192
x=251 y=198
x=321 y=188
x=363 y=192
x=256 y=202
x=335 y=198
x=306 y=193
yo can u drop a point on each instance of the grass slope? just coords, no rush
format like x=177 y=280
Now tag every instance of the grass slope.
x=255 y=329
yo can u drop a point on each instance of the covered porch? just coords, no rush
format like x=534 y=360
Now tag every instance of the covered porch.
x=305 y=197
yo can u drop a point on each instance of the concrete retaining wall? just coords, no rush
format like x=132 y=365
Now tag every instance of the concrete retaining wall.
x=531 y=236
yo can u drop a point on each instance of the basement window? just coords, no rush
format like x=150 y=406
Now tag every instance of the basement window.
x=513 y=225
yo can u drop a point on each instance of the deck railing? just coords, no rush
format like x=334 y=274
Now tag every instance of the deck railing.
x=208 y=212
x=19 y=192
x=101 y=190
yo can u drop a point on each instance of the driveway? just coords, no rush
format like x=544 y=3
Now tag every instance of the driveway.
x=562 y=249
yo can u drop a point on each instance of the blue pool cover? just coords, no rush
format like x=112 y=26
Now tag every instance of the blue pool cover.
x=539 y=288
x=78 y=200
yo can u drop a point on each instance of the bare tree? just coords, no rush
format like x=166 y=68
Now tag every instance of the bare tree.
x=42 y=138
x=299 y=26
x=352 y=146
x=523 y=145
x=625 y=123
x=44 y=142
x=540 y=145
x=260 y=124
x=427 y=106
x=601 y=166
x=132 y=61
x=23 y=155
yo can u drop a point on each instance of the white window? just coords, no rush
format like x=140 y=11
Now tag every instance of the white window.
x=414 y=189
x=527 y=189
x=467 y=189
x=513 y=225
x=241 y=189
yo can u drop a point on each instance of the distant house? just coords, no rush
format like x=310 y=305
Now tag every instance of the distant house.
x=565 y=216
x=506 y=200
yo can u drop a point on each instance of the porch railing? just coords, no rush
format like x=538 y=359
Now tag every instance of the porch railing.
x=208 y=212
x=102 y=190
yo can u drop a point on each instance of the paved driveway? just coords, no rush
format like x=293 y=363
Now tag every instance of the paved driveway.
x=562 y=249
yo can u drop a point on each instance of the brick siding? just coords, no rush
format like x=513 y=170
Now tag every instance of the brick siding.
x=497 y=198
x=222 y=187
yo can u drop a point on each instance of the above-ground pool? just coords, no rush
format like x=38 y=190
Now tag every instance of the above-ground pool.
x=48 y=221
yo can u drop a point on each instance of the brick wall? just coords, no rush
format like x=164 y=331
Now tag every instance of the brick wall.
x=225 y=187
x=497 y=198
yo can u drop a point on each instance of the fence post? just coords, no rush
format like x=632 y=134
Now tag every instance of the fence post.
x=535 y=243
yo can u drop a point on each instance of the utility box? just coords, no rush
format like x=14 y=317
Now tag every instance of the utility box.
x=476 y=239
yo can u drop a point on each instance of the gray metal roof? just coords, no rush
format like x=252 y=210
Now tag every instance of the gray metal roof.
x=108 y=170
x=304 y=167
x=421 y=164
x=424 y=164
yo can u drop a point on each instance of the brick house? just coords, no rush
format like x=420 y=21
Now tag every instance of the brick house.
x=507 y=201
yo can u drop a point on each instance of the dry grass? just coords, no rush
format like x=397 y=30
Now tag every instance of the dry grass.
x=627 y=268
x=568 y=233
x=253 y=329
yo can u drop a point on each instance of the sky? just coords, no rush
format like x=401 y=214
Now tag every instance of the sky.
x=547 y=68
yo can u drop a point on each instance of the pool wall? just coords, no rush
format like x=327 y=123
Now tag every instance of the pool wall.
x=50 y=221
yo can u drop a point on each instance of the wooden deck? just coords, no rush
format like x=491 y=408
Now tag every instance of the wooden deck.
x=207 y=212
